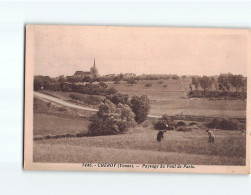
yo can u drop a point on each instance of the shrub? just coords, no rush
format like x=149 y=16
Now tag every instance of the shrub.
x=180 y=123
x=131 y=81
x=118 y=98
x=87 y=99
x=170 y=122
x=192 y=123
x=218 y=94
x=176 y=77
x=111 y=119
x=225 y=124
x=140 y=106
x=61 y=109
x=229 y=124
x=111 y=90
x=160 y=82
x=116 y=82
x=102 y=84
x=148 y=85
x=164 y=86
x=160 y=124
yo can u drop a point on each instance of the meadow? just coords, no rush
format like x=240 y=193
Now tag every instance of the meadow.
x=139 y=144
x=172 y=99
x=45 y=124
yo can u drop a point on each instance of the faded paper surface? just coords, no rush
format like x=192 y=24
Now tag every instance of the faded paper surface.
x=62 y=50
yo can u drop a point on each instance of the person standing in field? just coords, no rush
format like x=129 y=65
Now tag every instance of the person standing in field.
x=210 y=136
x=160 y=135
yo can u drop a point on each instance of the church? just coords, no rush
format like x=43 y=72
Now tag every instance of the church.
x=93 y=72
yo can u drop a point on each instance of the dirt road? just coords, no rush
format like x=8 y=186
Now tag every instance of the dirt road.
x=71 y=105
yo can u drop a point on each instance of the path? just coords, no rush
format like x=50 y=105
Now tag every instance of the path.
x=71 y=105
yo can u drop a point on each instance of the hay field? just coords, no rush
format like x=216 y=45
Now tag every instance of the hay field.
x=140 y=146
x=45 y=124
x=172 y=99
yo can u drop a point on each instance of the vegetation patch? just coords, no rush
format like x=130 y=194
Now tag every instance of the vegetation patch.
x=184 y=129
x=225 y=124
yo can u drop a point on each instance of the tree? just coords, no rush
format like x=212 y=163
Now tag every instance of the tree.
x=236 y=81
x=102 y=84
x=48 y=105
x=205 y=82
x=140 y=106
x=37 y=84
x=118 y=98
x=195 y=83
x=87 y=78
x=111 y=119
x=61 y=79
x=131 y=81
x=111 y=90
x=224 y=83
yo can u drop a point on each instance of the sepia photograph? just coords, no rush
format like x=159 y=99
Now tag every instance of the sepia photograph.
x=147 y=99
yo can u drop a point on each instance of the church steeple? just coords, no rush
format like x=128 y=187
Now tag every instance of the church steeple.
x=94 y=70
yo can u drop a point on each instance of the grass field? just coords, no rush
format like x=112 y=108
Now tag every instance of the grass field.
x=45 y=124
x=140 y=146
x=173 y=100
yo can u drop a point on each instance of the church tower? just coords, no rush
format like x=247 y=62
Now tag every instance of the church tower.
x=94 y=70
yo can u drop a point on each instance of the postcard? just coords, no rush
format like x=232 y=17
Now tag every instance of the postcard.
x=137 y=99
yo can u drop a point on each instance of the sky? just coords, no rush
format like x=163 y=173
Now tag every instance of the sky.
x=62 y=50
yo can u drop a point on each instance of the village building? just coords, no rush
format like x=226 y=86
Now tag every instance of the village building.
x=93 y=72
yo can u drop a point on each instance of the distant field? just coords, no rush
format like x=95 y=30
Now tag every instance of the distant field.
x=45 y=124
x=140 y=146
x=173 y=99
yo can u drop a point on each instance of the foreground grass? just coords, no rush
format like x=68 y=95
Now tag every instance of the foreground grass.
x=141 y=146
x=45 y=124
x=78 y=154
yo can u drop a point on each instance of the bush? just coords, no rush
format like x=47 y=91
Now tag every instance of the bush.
x=111 y=119
x=176 y=77
x=225 y=124
x=192 y=123
x=217 y=94
x=118 y=98
x=61 y=109
x=148 y=85
x=87 y=99
x=102 y=84
x=140 y=106
x=180 y=123
x=169 y=121
x=116 y=82
x=164 y=86
x=131 y=81
x=111 y=90
x=160 y=82
x=160 y=124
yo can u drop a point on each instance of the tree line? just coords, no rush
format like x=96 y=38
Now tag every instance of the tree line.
x=47 y=83
x=229 y=85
